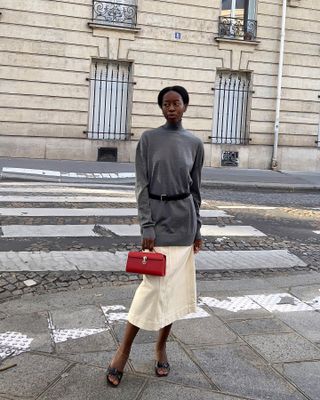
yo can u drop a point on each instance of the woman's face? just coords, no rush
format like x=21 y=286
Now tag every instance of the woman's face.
x=173 y=107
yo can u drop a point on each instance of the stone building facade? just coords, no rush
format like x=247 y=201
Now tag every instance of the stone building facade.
x=79 y=78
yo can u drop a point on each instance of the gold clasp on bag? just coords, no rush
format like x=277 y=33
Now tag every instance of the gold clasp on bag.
x=144 y=259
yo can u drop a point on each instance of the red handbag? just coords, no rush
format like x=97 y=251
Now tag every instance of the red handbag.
x=141 y=262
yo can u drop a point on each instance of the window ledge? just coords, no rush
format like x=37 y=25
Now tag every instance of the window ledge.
x=113 y=28
x=237 y=41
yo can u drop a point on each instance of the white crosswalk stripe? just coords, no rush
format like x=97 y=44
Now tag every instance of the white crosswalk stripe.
x=119 y=230
x=14 y=225
x=77 y=212
x=67 y=199
x=4 y=188
x=107 y=261
x=246 y=207
x=49 y=173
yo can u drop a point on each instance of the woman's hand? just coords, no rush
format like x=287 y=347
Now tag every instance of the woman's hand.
x=148 y=244
x=197 y=245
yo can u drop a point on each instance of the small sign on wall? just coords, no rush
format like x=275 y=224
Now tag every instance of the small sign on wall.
x=230 y=159
x=177 y=35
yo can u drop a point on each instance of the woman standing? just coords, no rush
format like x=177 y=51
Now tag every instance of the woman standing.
x=168 y=162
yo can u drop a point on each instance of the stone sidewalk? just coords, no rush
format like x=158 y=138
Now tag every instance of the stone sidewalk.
x=253 y=339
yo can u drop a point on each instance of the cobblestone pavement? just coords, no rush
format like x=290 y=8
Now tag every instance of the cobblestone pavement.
x=12 y=283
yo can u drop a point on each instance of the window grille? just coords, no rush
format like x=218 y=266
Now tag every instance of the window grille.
x=110 y=87
x=232 y=92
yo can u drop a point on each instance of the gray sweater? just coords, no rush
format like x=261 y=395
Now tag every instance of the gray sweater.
x=169 y=160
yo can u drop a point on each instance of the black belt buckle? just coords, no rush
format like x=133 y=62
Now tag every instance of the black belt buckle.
x=162 y=197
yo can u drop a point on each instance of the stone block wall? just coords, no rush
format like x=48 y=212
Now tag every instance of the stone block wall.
x=47 y=49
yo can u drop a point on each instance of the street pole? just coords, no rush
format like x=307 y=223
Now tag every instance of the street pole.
x=274 y=161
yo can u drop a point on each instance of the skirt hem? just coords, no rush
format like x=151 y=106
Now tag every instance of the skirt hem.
x=152 y=326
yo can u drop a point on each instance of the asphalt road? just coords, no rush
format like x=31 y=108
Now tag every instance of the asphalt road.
x=267 y=198
x=288 y=220
x=292 y=219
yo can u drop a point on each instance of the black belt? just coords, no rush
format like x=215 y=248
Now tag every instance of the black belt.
x=165 y=197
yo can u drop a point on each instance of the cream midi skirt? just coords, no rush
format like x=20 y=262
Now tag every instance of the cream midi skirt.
x=159 y=301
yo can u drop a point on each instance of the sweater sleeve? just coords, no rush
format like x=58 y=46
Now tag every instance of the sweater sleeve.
x=142 y=190
x=195 y=186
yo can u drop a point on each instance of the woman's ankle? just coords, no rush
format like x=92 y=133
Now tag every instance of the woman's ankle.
x=119 y=359
x=124 y=351
x=161 y=347
x=161 y=354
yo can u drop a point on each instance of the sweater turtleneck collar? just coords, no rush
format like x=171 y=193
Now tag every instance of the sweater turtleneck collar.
x=173 y=127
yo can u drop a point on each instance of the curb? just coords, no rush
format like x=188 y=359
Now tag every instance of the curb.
x=30 y=175
x=67 y=177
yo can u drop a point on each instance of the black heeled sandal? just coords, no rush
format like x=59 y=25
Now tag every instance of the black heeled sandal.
x=114 y=372
x=165 y=366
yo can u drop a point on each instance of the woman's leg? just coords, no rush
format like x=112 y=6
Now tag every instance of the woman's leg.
x=161 y=355
x=120 y=358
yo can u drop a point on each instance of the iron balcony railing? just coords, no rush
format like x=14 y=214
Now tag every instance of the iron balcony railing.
x=118 y=14
x=237 y=28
